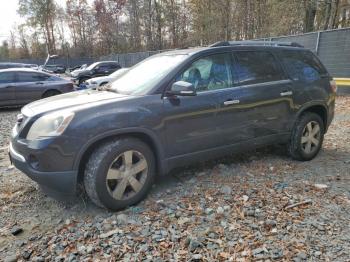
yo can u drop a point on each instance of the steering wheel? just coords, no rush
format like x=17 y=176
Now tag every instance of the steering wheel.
x=214 y=82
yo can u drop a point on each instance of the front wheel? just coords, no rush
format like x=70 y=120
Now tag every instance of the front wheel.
x=307 y=137
x=119 y=173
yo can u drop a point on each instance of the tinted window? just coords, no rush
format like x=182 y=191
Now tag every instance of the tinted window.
x=7 y=77
x=209 y=73
x=303 y=65
x=254 y=67
x=114 y=66
x=103 y=67
x=31 y=77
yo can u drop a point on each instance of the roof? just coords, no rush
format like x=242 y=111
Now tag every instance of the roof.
x=187 y=51
x=231 y=45
x=21 y=69
x=256 y=43
x=10 y=63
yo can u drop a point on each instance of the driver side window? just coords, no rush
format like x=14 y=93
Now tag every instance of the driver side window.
x=209 y=73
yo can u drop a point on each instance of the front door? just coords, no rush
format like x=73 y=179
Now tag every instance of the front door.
x=190 y=122
x=7 y=89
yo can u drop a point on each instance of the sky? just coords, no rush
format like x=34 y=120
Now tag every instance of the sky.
x=9 y=17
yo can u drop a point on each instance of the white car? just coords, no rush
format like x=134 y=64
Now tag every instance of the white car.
x=103 y=80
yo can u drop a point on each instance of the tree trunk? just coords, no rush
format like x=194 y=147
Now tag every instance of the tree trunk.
x=334 y=23
x=327 y=14
x=310 y=14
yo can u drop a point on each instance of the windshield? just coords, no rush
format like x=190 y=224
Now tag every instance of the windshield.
x=145 y=75
x=92 y=66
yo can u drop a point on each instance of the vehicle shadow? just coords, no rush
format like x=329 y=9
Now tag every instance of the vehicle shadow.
x=183 y=174
x=10 y=109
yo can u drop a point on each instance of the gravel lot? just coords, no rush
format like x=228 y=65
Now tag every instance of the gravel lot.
x=235 y=209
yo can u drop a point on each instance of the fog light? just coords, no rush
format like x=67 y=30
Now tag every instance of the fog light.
x=33 y=161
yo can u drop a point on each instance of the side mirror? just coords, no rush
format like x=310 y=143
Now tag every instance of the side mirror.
x=182 y=88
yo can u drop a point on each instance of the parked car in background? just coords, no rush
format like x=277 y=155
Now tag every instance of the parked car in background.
x=20 y=86
x=174 y=109
x=15 y=65
x=56 y=69
x=103 y=68
x=102 y=80
x=78 y=67
x=32 y=66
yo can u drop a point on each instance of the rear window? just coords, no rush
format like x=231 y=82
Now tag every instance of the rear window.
x=253 y=67
x=7 y=77
x=303 y=65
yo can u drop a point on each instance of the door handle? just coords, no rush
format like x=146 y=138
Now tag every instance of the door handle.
x=39 y=83
x=287 y=93
x=231 y=102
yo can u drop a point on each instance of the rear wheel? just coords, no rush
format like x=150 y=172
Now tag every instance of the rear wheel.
x=51 y=93
x=119 y=173
x=307 y=137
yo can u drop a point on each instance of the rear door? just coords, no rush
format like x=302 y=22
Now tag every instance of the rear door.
x=7 y=88
x=260 y=103
x=30 y=86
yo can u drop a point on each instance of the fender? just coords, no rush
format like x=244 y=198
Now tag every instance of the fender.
x=310 y=104
x=125 y=131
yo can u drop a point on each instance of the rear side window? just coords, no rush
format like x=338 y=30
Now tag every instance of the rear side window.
x=31 y=77
x=303 y=65
x=114 y=66
x=7 y=77
x=253 y=67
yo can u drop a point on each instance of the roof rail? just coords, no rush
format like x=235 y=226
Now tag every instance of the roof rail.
x=256 y=43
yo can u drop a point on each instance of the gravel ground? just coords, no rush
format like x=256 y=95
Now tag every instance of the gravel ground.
x=235 y=209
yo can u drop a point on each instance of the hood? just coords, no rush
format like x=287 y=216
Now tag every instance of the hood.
x=73 y=101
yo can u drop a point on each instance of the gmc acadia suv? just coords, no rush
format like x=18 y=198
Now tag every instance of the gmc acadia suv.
x=173 y=109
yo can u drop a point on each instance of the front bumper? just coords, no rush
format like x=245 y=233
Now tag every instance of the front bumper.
x=61 y=185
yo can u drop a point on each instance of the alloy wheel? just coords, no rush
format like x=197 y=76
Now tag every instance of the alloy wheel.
x=127 y=175
x=311 y=137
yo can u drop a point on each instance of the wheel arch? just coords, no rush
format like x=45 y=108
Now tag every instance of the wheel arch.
x=145 y=136
x=103 y=83
x=318 y=109
x=51 y=90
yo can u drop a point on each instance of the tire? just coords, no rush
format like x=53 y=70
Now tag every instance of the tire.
x=301 y=137
x=82 y=80
x=104 y=83
x=51 y=93
x=111 y=157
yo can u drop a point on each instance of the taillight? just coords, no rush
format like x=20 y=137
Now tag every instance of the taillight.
x=333 y=86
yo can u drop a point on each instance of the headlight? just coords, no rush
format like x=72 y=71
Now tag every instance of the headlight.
x=93 y=82
x=50 y=125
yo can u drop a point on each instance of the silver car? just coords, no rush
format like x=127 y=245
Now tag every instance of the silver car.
x=19 y=86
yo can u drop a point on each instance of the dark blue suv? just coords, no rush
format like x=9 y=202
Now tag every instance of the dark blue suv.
x=174 y=109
